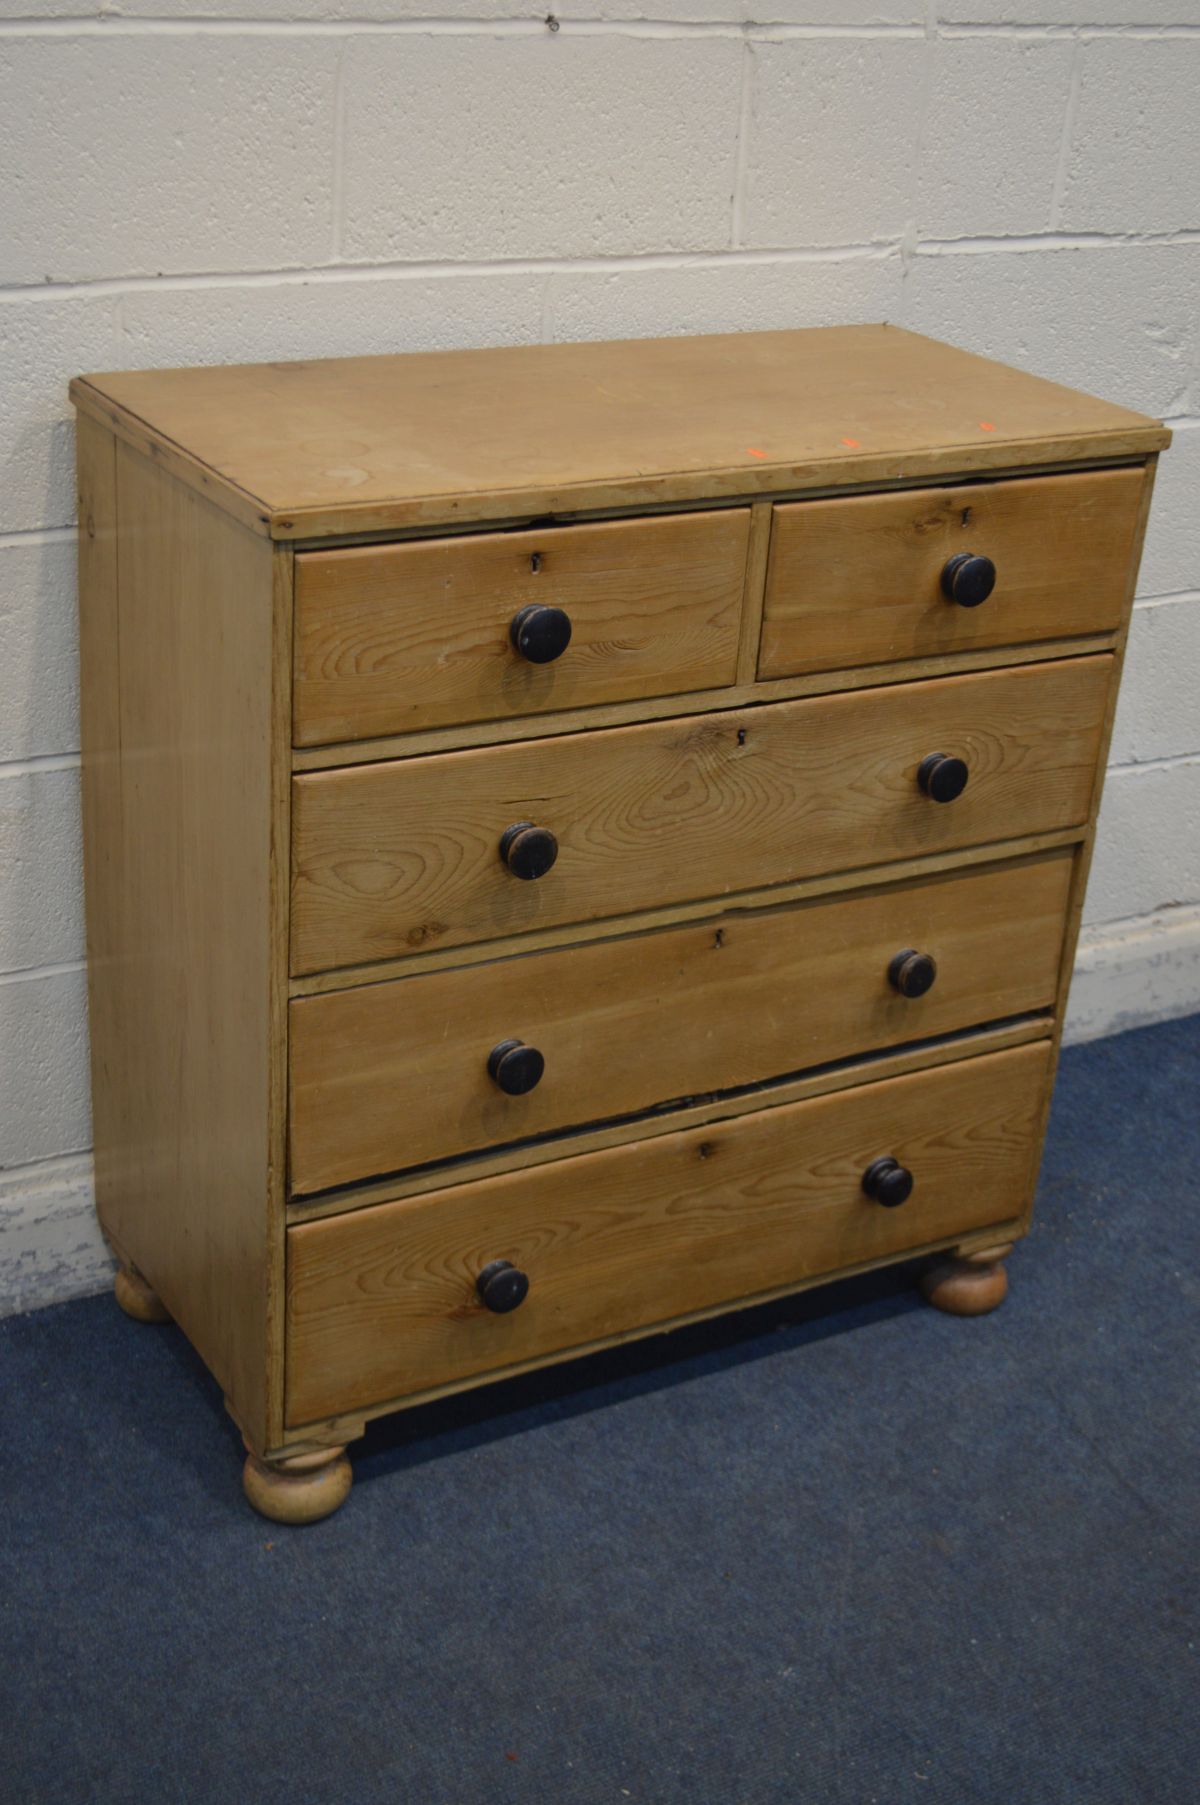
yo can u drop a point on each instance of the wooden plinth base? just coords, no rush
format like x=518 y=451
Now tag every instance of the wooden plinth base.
x=136 y=1297
x=968 y=1284
x=300 y=1490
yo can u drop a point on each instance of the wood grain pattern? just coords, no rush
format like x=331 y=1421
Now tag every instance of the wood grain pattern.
x=395 y=638
x=857 y=580
x=180 y=818
x=819 y=1082
x=661 y=708
x=864 y=877
x=762 y=518
x=383 y=1300
x=390 y=443
x=1083 y=860
x=385 y=1076
x=394 y=857
x=330 y=1431
x=278 y=935
x=100 y=792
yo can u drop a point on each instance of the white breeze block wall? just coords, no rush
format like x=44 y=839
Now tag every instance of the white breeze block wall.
x=303 y=178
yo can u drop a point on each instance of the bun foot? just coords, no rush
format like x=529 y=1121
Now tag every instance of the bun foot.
x=136 y=1297
x=968 y=1284
x=303 y=1489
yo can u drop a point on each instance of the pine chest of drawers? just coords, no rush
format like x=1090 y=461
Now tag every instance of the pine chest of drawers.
x=578 y=839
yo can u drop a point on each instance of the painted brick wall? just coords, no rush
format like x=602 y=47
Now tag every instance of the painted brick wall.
x=293 y=178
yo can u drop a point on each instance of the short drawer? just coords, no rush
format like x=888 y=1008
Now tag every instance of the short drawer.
x=858 y=580
x=395 y=638
x=383 y=1303
x=391 y=1075
x=395 y=856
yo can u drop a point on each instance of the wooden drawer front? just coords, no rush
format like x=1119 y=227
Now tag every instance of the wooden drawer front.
x=382 y=1303
x=857 y=580
x=391 y=857
x=392 y=638
x=393 y=1075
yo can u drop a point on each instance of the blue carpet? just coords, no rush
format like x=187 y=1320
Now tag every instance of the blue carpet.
x=840 y=1550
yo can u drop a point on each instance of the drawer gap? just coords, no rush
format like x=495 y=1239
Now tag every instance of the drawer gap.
x=463 y=1162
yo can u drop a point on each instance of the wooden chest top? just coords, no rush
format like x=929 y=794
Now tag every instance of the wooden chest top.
x=387 y=444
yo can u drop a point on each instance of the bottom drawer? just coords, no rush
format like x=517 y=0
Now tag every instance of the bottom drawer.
x=383 y=1303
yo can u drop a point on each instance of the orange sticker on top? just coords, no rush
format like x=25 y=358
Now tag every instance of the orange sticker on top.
x=752 y=451
x=987 y=426
x=854 y=444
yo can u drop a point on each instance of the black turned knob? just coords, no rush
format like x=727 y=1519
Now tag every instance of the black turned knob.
x=528 y=851
x=515 y=1067
x=968 y=579
x=888 y=1182
x=941 y=777
x=912 y=973
x=540 y=634
x=502 y=1286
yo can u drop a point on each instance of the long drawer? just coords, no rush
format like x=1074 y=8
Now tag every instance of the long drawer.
x=391 y=1075
x=392 y=857
x=857 y=579
x=383 y=1302
x=391 y=638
